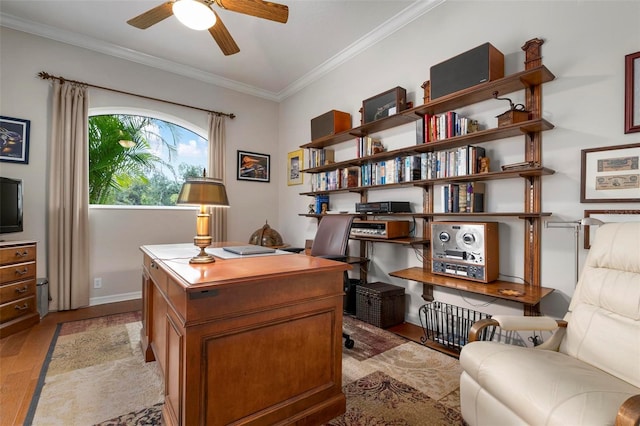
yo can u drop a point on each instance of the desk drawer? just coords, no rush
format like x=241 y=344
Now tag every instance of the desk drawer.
x=18 y=254
x=157 y=276
x=19 y=271
x=17 y=308
x=17 y=290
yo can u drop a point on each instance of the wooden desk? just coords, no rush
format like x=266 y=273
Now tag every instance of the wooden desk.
x=244 y=341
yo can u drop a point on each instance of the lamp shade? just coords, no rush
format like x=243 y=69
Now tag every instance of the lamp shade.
x=194 y=14
x=203 y=192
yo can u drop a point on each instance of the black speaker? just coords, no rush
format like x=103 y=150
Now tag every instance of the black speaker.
x=478 y=65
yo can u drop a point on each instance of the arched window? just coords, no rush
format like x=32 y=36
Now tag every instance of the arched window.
x=141 y=158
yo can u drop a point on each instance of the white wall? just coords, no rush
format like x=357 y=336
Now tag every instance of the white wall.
x=585 y=44
x=117 y=234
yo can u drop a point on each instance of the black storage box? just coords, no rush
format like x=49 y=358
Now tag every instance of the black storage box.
x=478 y=65
x=383 y=105
x=380 y=304
x=329 y=124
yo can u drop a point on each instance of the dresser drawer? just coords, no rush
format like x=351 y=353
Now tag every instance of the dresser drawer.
x=17 y=308
x=19 y=254
x=17 y=290
x=18 y=271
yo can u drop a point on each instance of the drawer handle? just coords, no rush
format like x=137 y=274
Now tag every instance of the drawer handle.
x=24 y=271
x=23 y=254
x=22 y=308
x=153 y=265
x=22 y=290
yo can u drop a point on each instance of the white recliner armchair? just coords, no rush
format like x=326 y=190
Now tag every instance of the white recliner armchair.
x=588 y=372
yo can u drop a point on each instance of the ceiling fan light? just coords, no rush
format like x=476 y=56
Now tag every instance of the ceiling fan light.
x=194 y=14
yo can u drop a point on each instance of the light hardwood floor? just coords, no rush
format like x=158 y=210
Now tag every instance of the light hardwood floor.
x=22 y=355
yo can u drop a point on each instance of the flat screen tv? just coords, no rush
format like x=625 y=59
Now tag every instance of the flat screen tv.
x=10 y=205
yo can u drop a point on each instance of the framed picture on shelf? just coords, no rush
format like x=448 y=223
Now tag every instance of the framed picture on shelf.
x=610 y=174
x=607 y=216
x=14 y=140
x=295 y=164
x=632 y=93
x=254 y=166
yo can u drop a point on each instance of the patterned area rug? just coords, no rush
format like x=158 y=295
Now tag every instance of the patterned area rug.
x=388 y=381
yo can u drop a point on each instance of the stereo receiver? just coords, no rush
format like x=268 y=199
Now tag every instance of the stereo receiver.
x=386 y=229
x=384 y=207
x=465 y=250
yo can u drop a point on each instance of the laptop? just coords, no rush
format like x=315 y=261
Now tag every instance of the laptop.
x=248 y=249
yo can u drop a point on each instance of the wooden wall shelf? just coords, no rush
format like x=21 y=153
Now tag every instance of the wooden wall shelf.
x=511 y=83
x=530 y=82
x=494 y=133
x=511 y=174
x=532 y=294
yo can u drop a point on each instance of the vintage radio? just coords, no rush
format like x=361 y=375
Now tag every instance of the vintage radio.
x=384 y=207
x=385 y=229
x=383 y=105
x=329 y=124
x=465 y=250
x=478 y=65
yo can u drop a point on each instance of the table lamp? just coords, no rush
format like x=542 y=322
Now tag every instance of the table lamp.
x=203 y=192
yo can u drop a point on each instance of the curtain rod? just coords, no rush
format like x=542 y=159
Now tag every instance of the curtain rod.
x=46 y=76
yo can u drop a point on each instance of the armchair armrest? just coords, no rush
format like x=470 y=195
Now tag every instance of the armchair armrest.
x=514 y=322
x=629 y=412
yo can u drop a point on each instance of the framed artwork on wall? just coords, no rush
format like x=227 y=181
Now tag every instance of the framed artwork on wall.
x=610 y=174
x=254 y=166
x=632 y=93
x=607 y=216
x=295 y=164
x=14 y=140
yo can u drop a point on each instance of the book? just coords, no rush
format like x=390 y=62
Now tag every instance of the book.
x=322 y=204
x=475 y=197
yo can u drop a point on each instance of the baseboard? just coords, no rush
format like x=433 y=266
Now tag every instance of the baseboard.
x=115 y=298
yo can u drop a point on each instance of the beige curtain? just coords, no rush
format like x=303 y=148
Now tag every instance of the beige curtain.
x=68 y=203
x=217 y=150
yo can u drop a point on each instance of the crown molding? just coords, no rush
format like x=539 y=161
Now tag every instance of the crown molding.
x=121 y=52
x=384 y=30
x=415 y=10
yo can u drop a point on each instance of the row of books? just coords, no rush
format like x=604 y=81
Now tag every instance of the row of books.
x=321 y=157
x=461 y=161
x=429 y=165
x=463 y=197
x=396 y=170
x=446 y=125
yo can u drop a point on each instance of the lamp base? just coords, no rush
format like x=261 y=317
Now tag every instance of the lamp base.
x=203 y=256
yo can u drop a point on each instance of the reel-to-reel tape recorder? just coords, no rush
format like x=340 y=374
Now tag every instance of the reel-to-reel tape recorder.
x=465 y=250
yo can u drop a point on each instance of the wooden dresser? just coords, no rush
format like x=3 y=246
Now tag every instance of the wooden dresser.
x=18 y=305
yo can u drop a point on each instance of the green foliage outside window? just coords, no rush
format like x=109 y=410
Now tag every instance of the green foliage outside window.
x=124 y=167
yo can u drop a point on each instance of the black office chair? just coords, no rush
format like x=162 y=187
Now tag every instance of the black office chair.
x=332 y=242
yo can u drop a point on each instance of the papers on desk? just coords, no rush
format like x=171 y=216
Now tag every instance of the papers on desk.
x=223 y=254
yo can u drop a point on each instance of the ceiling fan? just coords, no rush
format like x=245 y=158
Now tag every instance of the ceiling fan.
x=200 y=10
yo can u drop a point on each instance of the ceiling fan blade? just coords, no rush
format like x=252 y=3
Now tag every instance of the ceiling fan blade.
x=223 y=38
x=152 y=16
x=258 y=8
